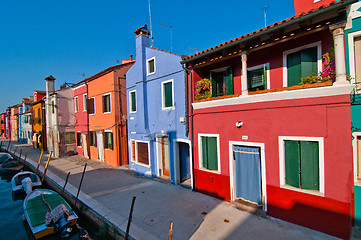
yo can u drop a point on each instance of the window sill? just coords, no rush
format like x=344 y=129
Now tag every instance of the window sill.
x=309 y=85
x=141 y=164
x=106 y=112
x=210 y=171
x=311 y=192
x=79 y=146
x=108 y=149
x=216 y=98
x=168 y=108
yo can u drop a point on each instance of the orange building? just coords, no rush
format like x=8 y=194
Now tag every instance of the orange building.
x=107 y=109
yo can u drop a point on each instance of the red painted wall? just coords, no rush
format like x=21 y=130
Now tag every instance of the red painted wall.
x=81 y=117
x=307 y=5
x=264 y=122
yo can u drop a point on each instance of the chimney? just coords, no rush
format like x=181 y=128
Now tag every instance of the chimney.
x=49 y=85
x=131 y=57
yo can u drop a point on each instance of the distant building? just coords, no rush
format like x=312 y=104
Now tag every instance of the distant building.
x=82 y=137
x=24 y=117
x=60 y=120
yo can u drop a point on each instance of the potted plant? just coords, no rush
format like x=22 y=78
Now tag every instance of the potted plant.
x=203 y=89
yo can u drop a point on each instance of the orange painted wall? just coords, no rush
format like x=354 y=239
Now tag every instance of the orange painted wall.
x=106 y=83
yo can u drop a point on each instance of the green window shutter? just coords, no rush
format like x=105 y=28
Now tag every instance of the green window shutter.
x=308 y=62
x=213 y=84
x=292 y=163
x=309 y=165
x=256 y=78
x=293 y=69
x=212 y=153
x=204 y=152
x=168 y=94
x=229 y=81
x=134 y=103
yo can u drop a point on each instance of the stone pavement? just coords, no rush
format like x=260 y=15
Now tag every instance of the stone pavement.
x=108 y=192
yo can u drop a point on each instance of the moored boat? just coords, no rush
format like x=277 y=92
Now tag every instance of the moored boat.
x=48 y=213
x=25 y=182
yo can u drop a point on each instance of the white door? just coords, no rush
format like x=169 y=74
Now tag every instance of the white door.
x=100 y=144
x=84 y=144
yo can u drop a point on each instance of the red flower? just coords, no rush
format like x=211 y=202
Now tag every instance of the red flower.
x=325 y=74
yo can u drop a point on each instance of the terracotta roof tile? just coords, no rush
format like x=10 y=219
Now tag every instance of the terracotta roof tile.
x=263 y=29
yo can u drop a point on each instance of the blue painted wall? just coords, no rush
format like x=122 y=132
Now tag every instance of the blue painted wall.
x=20 y=119
x=149 y=118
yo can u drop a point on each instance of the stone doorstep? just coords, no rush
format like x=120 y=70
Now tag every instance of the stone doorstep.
x=249 y=207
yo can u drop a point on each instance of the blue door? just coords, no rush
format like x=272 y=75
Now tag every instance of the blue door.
x=184 y=161
x=247 y=162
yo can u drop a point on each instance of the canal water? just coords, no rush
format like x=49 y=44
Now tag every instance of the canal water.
x=11 y=212
x=12 y=225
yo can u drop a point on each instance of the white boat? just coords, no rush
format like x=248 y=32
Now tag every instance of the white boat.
x=25 y=182
x=48 y=213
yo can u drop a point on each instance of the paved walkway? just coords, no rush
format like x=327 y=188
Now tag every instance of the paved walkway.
x=108 y=191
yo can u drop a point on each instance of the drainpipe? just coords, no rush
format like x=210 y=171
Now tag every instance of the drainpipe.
x=87 y=124
x=191 y=115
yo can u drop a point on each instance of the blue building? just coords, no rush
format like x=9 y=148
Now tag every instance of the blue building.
x=353 y=60
x=24 y=133
x=157 y=126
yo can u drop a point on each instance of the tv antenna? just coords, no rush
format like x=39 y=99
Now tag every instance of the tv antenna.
x=193 y=49
x=150 y=24
x=265 y=16
x=171 y=33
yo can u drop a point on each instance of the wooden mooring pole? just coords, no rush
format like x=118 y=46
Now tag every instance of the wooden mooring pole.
x=46 y=167
x=16 y=148
x=26 y=154
x=170 y=231
x=130 y=219
x=66 y=181
x=81 y=182
x=41 y=155
x=21 y=151
x=1 y=144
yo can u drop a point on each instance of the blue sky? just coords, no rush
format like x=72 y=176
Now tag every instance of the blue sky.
x=72 y=40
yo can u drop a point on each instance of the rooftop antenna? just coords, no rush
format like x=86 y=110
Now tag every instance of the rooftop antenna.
x=265 y=16
x=150 y=21
x=193 y=49
x=171 y=32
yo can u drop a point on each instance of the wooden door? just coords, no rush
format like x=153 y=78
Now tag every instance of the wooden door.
x=165 y=156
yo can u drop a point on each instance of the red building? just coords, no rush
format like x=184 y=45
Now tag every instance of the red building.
x=3 y=125
x=81 y=118
x=264 y=133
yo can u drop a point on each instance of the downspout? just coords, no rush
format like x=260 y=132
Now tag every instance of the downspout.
x=189 y=104
x=87 y=123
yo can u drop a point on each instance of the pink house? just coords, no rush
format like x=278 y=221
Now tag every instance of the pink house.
x=81 y=118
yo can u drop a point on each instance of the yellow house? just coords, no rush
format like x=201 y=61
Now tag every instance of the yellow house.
x=39 y=125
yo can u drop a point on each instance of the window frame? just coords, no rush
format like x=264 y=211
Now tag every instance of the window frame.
x=134 y=158
x=106 y=132
x=294 y=50
x=77 y=142
x=110 y=103
x=356 y=160
x=70 y=134
x=321 y=163
x=148 y=70
x=200 y=153
x=85 y=98
x=93 y=135
x=131 y=101
x=163 y=95
x=218 y=70
x=76 y=104
x=93 y=106
x=267 y=73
